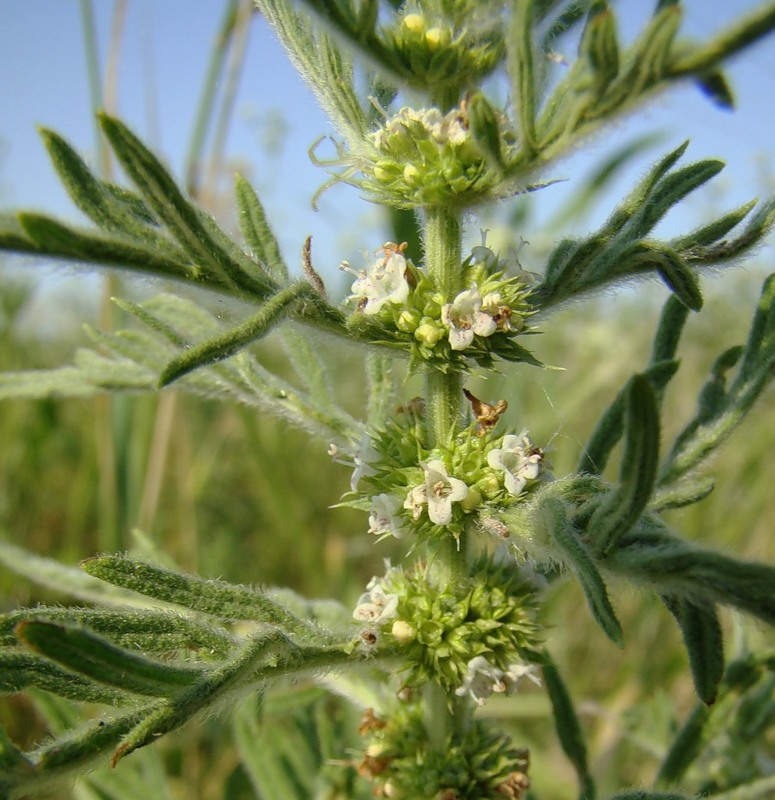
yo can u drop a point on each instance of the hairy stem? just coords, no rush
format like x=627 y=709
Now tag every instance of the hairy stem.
x=447 y=557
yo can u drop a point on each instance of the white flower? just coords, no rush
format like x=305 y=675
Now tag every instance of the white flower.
x=384 y=282
x=482 y=679
x=518 y=459
x=439 y=492
x=383 y=516
x=492 y=304
x=364 y=454
x=415 y=500
x=375 y=606
x=464 y=318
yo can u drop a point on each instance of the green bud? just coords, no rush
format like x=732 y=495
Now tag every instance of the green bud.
x=428 y=332
x=408 y=320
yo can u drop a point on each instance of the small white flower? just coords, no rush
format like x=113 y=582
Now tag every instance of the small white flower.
x=439 y=492
x=383 y=516
x=415 y=500
x=493 y=305
x=519 y=461
x=384 y=282
x=482 y=679
x=464 y=318
x=375 y=606
x=363 y=455
x=516 y=672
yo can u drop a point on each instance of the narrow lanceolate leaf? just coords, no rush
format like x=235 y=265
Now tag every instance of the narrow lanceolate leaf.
x=652 y=556
x=485 y=131
x=713 y=231
x=20 y=670
x=671 y=189
x=715 y=86
x=685 y=748
x=153 y=631
x=684 y=493
x=655 y=256
x=256 y=229
x=567 y=725
x=521 y=71
x=99 y=201
x=761 y=338
x=52 y=238
x=66 y=580
x=704 y=642
x=554 y=516
x=643 y=191
x=622 y=507
x=84 y=652
x=230 y=342
x=610 y=428
x=669 y=330
x=183 y=220
x=223 y=600
x=599 y=46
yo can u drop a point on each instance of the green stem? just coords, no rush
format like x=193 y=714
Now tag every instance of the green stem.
x=447 y=557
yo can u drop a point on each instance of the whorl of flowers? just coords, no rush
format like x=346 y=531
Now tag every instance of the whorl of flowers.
x=402 y=307
x=472 y=639
x=423 y=157
x=401 y=763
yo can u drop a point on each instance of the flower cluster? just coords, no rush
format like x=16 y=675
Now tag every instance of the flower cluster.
x=456 y=44
x=472 y=639
x=402 y=764
x=478 y=323
x=408 y=488
x=423 y=157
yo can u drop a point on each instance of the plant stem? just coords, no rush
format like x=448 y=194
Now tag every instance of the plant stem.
x=447 y=557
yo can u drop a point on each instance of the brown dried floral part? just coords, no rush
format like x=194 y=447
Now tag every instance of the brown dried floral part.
x=486 y=415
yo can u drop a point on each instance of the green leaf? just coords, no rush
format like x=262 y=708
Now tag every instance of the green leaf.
x=217 y=598
x=520 y=44
x=485 y=130
x=88 y=654
x=670 y=189
x=257 y=231
x=183 y=220
x=621 y=508
x=704 y=642
x=227 y=344
x=567 y=725
x=610 y=427
x=652 y=556
x=53 y=238
x=109 y=207
x=599 y=46
x=671 y=268
x=685 y=748
x=152 y=631
x=554 y=516
x=21 y=670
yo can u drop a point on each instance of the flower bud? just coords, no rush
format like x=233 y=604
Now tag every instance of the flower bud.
x=428 y=332
x=402 y=631
x=408 y=320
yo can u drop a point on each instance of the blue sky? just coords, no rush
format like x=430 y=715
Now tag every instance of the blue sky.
x=164 y=52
